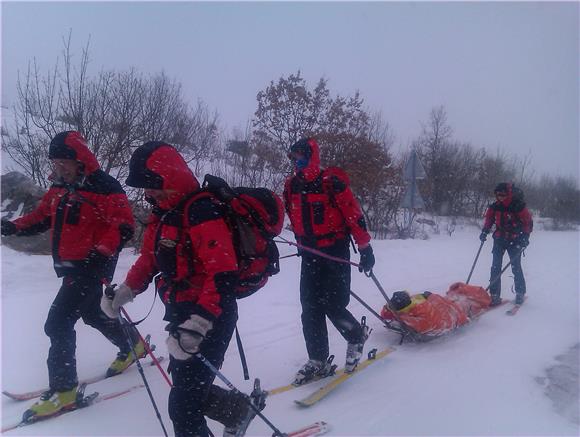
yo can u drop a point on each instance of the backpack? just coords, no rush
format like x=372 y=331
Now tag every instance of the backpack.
x=517 y=194
x=518 y=200
x=254 y=216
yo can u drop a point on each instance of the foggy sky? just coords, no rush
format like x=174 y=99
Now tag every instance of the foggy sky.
x=507 y=73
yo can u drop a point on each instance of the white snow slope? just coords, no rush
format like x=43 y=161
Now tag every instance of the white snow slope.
x=485 y=379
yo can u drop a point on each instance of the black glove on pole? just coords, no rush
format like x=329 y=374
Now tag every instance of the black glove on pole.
x=8 y=228
x=367 y=259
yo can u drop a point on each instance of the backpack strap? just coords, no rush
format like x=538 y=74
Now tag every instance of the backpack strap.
x=334 y=180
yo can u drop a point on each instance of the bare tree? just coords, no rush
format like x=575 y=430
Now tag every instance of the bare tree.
x=114 y=111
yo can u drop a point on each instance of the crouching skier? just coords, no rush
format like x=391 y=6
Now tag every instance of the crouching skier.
x=188 y=242
x=90 y=220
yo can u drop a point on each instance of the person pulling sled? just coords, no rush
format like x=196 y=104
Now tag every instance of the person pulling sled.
x=324 y=214
x=513 y=226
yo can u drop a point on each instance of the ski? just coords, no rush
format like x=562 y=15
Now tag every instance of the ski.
x=83 y=402
x=37 y=393
x=317 y=428
x=287 y=387
x=514 y=309
x=326 y=389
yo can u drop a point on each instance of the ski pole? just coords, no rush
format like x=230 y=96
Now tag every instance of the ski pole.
x=371 y=275
x=289 y=256
x=474 y=262
x=494 y=280
x=110 y=293
x=221 y=376
x=367 y=306
x=148 y=348
x=318 y=252
x=132 y=346
x=404 y=327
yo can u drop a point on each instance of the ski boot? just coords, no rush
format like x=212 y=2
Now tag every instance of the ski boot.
x=520 y=297
x=51 y=403
x=258 y=400
x=124 y=359
x=495 y=300
x=314 y=370
x=354 y=350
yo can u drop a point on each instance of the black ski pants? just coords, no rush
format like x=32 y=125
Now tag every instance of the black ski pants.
x=79 y=296
x=193 y=395
x=500 y=246
x=325 y=292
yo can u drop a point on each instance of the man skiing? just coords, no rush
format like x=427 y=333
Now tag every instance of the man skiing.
x=513 y=226
x=188 y=243
x=90 y=220
x=432 y=314
x=324 y=214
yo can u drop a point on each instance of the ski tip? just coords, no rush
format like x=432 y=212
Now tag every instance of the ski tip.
x=301 y=403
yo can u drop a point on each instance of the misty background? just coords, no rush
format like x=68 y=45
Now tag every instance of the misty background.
x=484 y=92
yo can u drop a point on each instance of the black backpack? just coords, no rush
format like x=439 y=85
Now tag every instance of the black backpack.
x=518 y=199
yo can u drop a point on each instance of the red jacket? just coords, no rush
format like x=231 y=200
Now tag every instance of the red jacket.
x=186 y=240
x=510 y=217
x=321 y=206
x=432 y=314
x=94 y=212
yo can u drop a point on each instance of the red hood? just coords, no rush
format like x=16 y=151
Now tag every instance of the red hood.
x=508 y=199
x=312 y=170
x=156 y=165
x=71 y=145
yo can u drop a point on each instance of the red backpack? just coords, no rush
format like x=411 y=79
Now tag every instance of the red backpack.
x=255 y=216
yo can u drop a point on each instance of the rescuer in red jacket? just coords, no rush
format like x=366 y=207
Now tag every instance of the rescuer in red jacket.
x=189 y=245
x=513 y=226
x=324 y=214
x=90 y=220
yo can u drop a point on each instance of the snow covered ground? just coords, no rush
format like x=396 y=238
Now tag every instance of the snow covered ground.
x=499 y=376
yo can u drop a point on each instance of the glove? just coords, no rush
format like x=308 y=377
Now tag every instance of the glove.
x=523 y=240
x=96 y=264
x=367 y=259
x=483 y=236
x=8 y=228
x=112 y=305
x=184 y=340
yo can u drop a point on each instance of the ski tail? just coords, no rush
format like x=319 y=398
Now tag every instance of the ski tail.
x=317 y=428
